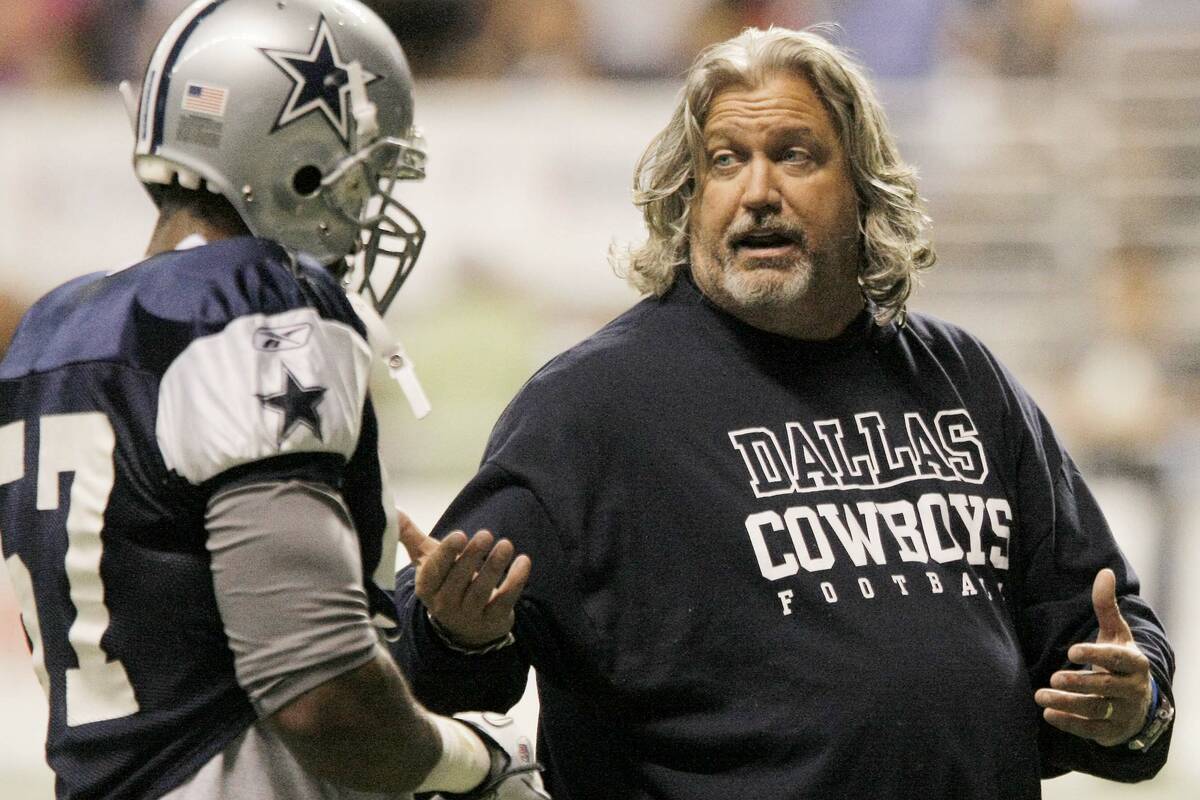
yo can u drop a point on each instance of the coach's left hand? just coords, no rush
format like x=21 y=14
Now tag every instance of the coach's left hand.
x=1107 y=702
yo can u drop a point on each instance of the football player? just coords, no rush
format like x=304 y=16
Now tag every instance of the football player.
x=191 y=498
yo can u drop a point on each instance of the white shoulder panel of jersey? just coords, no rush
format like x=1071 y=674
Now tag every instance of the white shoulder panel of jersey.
x=264 y=386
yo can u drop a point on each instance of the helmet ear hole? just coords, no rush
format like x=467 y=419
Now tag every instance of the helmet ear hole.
x=307 y=180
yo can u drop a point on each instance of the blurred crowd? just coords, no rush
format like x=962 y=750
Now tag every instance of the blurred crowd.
x=49 y=43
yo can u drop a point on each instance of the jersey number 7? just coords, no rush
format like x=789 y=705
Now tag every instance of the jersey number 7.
x=97 y=689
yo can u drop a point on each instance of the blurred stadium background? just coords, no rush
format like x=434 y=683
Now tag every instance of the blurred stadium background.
x=1058 y=143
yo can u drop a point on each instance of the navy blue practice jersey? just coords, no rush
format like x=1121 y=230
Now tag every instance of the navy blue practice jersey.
x=126 y=401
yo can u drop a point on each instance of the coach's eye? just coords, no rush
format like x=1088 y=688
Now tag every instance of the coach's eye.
x=796 y=155
x=723 y=159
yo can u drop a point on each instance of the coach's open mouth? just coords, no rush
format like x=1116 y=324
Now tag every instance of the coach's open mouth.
x=766 y=242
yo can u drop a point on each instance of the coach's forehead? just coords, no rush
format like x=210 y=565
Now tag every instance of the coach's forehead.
x=779 y=98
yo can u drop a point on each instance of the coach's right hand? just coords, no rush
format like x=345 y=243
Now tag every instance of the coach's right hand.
x=463 y=583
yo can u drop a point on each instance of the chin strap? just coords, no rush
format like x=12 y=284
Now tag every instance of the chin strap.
x=366 y=117
x=401 y=370
x=387 y=347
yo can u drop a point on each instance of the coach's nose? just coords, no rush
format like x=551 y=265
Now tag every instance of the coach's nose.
x=760 y=193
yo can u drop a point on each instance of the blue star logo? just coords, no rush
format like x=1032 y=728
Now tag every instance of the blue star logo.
x=320 y=81
x=297 y=403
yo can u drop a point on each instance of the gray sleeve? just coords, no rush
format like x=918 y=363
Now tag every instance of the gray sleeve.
x=288 y=578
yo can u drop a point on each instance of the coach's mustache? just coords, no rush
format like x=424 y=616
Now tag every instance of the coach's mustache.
x=765 y=232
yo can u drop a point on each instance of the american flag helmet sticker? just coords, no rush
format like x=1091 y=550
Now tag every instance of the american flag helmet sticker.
x=200 y=98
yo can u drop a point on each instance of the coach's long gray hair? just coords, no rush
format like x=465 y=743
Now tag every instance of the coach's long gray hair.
x=892 y=217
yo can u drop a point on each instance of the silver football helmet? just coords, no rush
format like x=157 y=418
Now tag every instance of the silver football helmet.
x=300 y=113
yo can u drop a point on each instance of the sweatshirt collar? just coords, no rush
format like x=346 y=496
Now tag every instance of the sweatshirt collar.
x=861 y=330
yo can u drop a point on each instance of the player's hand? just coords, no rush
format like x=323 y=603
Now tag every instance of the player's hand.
x=470 y=586
x=1108 y=701
x=514 y=774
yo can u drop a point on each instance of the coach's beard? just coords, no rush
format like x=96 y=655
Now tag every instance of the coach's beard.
x=767 y=283
x=762 y=284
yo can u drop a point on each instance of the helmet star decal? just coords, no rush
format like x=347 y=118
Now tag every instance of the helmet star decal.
x=297 y=403
x=321 y=82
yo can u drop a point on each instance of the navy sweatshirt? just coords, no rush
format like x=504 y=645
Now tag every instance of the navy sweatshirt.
x=777 y=569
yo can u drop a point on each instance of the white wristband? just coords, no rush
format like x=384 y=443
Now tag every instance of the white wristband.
x=464 y=763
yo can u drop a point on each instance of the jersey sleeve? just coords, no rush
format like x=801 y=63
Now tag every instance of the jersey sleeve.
x=265 y=385
x=289 y=587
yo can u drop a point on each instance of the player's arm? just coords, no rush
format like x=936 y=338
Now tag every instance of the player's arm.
x=288 y=582
x=340 y=732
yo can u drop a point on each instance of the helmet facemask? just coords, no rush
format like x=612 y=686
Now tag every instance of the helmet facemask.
x=388 y=243
x=389 y=235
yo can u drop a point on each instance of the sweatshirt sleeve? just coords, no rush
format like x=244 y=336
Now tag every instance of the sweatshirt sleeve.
x=1065 y=542
x=448 y=681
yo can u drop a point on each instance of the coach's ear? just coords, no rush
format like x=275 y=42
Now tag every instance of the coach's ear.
x=415 y=541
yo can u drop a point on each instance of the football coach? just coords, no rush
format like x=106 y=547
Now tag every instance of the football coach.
x=781 y=539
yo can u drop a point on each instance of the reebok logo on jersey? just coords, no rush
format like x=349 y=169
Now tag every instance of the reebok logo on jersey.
x=290 y=337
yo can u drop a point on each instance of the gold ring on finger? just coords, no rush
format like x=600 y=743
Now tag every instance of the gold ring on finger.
x=1108 y=712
